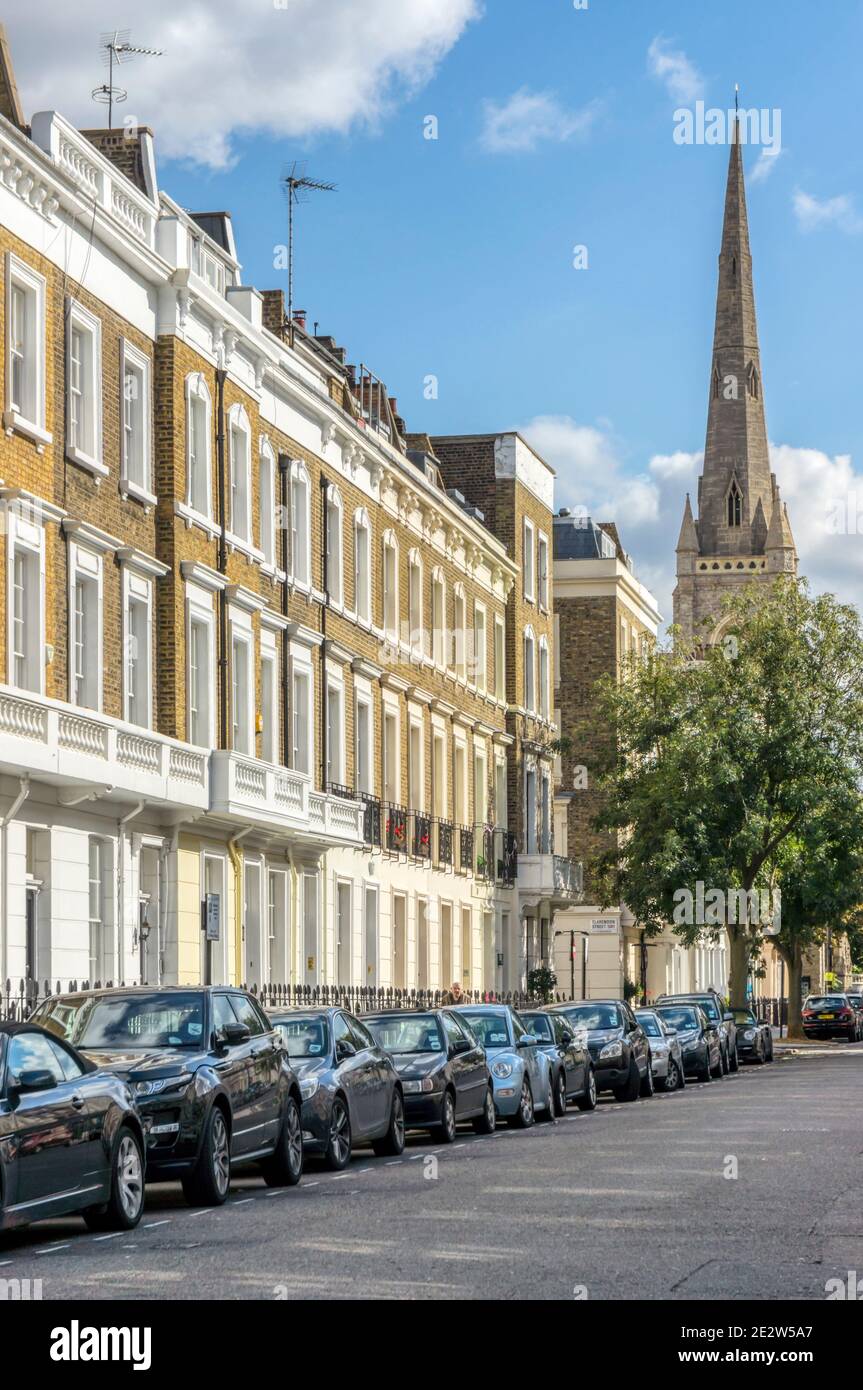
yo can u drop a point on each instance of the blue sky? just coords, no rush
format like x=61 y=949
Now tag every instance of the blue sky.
x=454 y=256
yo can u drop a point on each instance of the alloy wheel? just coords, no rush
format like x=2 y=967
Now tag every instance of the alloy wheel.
x=295 y=1138
x=340 y=1133
x=398 y=1120
x=221 y=1154
x=130 y=1177
x=526 y=1103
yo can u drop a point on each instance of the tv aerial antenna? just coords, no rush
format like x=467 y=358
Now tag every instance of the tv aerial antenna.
x=116 y=48
x=297 y=185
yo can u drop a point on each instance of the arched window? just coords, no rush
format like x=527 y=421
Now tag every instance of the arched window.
x=529 y=669
x=438 y=617
x=415 y=600
x=239 y=440
x=752 y=381
x=267 y=500
x=544 y=693
x=198 y=430
x=301 y=524
x=390 y=576
x=335 y=567
x=735 y=505
x=717 y=381
x=459 y=623
x=362 y=565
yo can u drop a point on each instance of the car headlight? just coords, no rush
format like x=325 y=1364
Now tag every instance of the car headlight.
x=612 y=1049
x=749 y=1034
x=309 y=1087
x=502 y=1070
x=165 y=1083
x=413 y=1088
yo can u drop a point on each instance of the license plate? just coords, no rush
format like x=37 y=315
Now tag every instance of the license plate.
x=825 y=1015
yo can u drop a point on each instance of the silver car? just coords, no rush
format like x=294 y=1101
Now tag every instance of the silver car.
x=520 y=1071
x=666 y=1054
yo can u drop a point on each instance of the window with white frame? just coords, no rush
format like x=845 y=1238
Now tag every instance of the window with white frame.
x=239 y=440
x=460 y=780
x=301 y=705
x=415 y=600
x=25 y=345
x=438 y=618
x=201 y=680
x=480 y=783
x=542 y=563
x=301 y=524
x=136 y=422
x=98 y=900
x=335 y=568
x=84 y=378
x=390 y=585
x=242 y=697
x=198 y=429
x=499 y=659
x=416 y=766
x=362 y=566
x=500 y=796
x=364 y=739
x=439 y=773
x=267 y=501
x=544 y=692
x=480 y=652
x=335 y=733
x=529 y=669
x=392 y=764
x=138 y=644
x=459 y=608
x=25 y=548
x=269 y=699
x=85 y=627
x=529 y=560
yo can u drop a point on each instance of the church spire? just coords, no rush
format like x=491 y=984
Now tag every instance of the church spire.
x=736 y=460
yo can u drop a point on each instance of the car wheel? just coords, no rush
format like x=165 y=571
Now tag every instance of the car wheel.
x=723 y=1057
x=486 y=1123
x=207 y=1184
x=447 y=1118
x=123 y=1209
x=769 y=1057
x=560 y=1093
x=672 y=1078
x=285 y=1167
x=734 y=1060
x=719 y=1069
x=587 y=1101
x=632 y=1086
x=393 y=1141
x=340 y=1145
x=524 y=1116
x=647 y=1085
x=705 y=1073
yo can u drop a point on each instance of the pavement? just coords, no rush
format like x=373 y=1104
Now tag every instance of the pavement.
x=745 y=1188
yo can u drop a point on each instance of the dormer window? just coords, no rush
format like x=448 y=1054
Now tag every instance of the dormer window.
x=735 y=505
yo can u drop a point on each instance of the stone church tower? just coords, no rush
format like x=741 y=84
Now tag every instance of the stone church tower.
x=742 y=531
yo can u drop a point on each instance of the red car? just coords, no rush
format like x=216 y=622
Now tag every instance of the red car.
x=830 y=1016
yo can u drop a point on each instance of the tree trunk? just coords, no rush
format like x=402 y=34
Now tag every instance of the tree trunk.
x=738 y=945
x=794 y=963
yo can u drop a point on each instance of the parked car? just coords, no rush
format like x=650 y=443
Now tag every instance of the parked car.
x=211 y=1079
x=443 y=1070
x=617 y=1044
x=829 y=1016
x=714 y=1006
x=856 y=1002
x=573 y=1074
x=754 y=1037
x=70 y=1137
x=520 y=1071
x=666 y=1055
x=698 y=1035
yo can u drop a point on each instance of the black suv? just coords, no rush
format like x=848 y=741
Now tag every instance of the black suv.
x=211 y=1079
x=721 y=1017
x=617 y=1044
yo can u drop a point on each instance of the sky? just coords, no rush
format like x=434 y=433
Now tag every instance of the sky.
x=455 y=257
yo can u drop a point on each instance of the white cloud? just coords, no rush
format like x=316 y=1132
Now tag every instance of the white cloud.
x=527 y=119
x=683 y=82
x=765 y=163
x=812 y=213
x=824 y=496
x=234 y=66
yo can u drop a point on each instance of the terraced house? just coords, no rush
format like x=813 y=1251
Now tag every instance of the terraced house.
x=274 y=708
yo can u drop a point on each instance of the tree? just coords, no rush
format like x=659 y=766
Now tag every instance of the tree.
x=721 y=755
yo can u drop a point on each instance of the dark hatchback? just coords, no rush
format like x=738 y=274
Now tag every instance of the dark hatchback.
x=443 y=1070
x=350 y=1086
x=70 y=1138
x=617 y=1043
x=211 y=1079
x=829 y=1016
x=699 y=1038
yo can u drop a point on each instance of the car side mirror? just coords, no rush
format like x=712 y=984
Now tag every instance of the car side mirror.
x=345 y=1049
x=527 y=1041
x=459 y=1046
x=672 y=1031
x=41 y=1080
x=235 y=1033
x=566 y=1038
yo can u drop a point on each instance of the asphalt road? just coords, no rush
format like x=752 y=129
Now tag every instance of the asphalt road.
x=632 y=1201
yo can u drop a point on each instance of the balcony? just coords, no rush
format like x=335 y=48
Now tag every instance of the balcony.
x=395 y=828
x=420 y=836
x=265 y=794
x=549 y=876
x=444 y=844
x=66 y=746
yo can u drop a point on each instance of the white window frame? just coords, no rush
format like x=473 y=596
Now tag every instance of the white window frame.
x=499 y=657
x=269 y=697
x=416 y=613
x=529 y=663
x=198 y=394
x=240 y=474
x=80 y=320
x=33 y=285
x=85 y=565
x=28 y=538
x=392 y=775
x=390 y=594
x=302 y=758
x=364 y=777
x=529 y=561
x=334 y=541
x=543 y=679
x=438 y=618
x=137 y=588
x=131 y=359
x=480 y=647
x=363 y=576
x=459 y=631
x=199 y=611
x=416 y=774
x=242 y=720
x=542 y=570
x=301 y=525
x=336 y=751
x=267 y=502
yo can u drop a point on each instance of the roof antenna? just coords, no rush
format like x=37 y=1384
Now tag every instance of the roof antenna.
x=297 y=183
x=115 y=47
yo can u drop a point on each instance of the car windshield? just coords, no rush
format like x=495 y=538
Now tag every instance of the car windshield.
x=680 y=1017
x=127 y=1021
x=407 y=1033
x=594 y=1016
x=491 y=1029
x=826 y=1001
x=744 y=1016
x=650 y=1025
x=305 y=1037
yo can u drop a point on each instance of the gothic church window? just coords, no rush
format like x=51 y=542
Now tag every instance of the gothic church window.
x=735 y=506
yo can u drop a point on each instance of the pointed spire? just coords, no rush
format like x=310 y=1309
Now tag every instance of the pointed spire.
x=779 y=537
x=688 y=538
